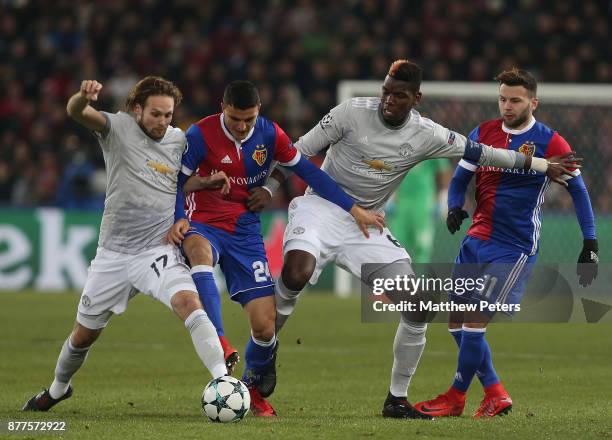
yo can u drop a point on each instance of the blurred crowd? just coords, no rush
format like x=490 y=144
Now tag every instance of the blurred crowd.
x=296 y=52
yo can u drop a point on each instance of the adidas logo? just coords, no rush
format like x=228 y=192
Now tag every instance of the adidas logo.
x=364 y=140
x=458 y=377
x=226 y=159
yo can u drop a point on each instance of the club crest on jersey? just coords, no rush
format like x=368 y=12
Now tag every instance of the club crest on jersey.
x=528 y=148
x=406 y=150
x=260 y=154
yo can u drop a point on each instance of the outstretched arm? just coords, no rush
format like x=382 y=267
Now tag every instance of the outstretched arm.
x=446 y=143
x=555 y=167
x=327 y=188
x=78 y=107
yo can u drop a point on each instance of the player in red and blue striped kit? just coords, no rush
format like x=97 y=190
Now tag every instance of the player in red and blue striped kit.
x=505 y=233
x=234 y=151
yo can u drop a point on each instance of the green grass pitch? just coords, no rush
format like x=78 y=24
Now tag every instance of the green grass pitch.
x=143 y=379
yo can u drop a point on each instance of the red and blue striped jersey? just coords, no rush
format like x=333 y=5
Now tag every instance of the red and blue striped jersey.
x=211 y=148
x=509 y=201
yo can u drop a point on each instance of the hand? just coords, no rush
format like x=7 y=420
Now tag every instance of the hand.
x=214 y=181
x=366 y=218
x=219 y=180
x=587 y=262
x=90 y=89
x=176 y=234
x=562 y=165
x=259 y=198
x=455 y=218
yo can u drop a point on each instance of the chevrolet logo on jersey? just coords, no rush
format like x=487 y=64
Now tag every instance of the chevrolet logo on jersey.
x=379 y=165
x=528 y=148
x=160 y=167
x=260 y=154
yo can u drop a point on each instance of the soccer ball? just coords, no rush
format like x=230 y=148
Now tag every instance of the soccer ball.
x=226 y=399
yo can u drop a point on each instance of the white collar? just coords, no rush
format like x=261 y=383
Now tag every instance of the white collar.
x=229 y=135
x=522 y=130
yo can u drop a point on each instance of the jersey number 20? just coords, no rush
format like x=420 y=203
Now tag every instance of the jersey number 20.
x=261 y=271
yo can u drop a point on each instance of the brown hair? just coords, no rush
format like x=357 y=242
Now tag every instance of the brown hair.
x=519 y=77
x=152 y=86
x=404 y=70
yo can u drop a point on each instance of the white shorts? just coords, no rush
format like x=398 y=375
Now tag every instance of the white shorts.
x=326 y=231
x=113 y=278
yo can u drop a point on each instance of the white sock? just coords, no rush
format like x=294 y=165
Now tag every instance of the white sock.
x=58 y=389
x=407 y=349
x=69 y=361
x=285 y=302
x=206 y=342
x=261 y=343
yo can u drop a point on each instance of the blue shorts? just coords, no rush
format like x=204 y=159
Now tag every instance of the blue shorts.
x=242 y=257
x=504 y=270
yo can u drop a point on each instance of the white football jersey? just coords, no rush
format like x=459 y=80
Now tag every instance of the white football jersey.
x=369 y=158
x=141 y=184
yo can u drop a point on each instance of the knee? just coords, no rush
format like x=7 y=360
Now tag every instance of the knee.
x=184 y=303
x=415 y=330
x=296 y=276
x=262 y=328
x=454 y=325
x=198 y=251
x=263 y=331
x=83 y=337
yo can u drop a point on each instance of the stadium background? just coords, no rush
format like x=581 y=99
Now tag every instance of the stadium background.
x=296 y=54
x=143 y=380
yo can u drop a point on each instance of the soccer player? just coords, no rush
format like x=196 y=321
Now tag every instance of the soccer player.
x=143 y=154
x=504 y=234
x=374 y=143
x=221 y=229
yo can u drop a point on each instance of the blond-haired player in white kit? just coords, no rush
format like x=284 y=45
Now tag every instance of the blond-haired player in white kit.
x=373 y=143
x=143 y=154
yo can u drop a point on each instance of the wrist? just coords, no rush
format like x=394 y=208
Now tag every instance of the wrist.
x=591 y=244
x=269 y=190
x=538 y=164
x=272 y=185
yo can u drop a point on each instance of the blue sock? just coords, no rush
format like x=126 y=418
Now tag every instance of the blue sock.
x=471 y=355
x=258 y=358
x=209 y=294
x=456 y=334
x=486 y=372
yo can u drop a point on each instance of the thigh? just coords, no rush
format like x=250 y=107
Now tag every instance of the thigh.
x=317 y=228
x=107 y=289
x=214 y=236
x=160 y=272
x=245 y=266
x=357 y=250
x=503 y=272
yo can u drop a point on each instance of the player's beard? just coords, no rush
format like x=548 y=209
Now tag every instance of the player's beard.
x=519 y=120
x=150 y=134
